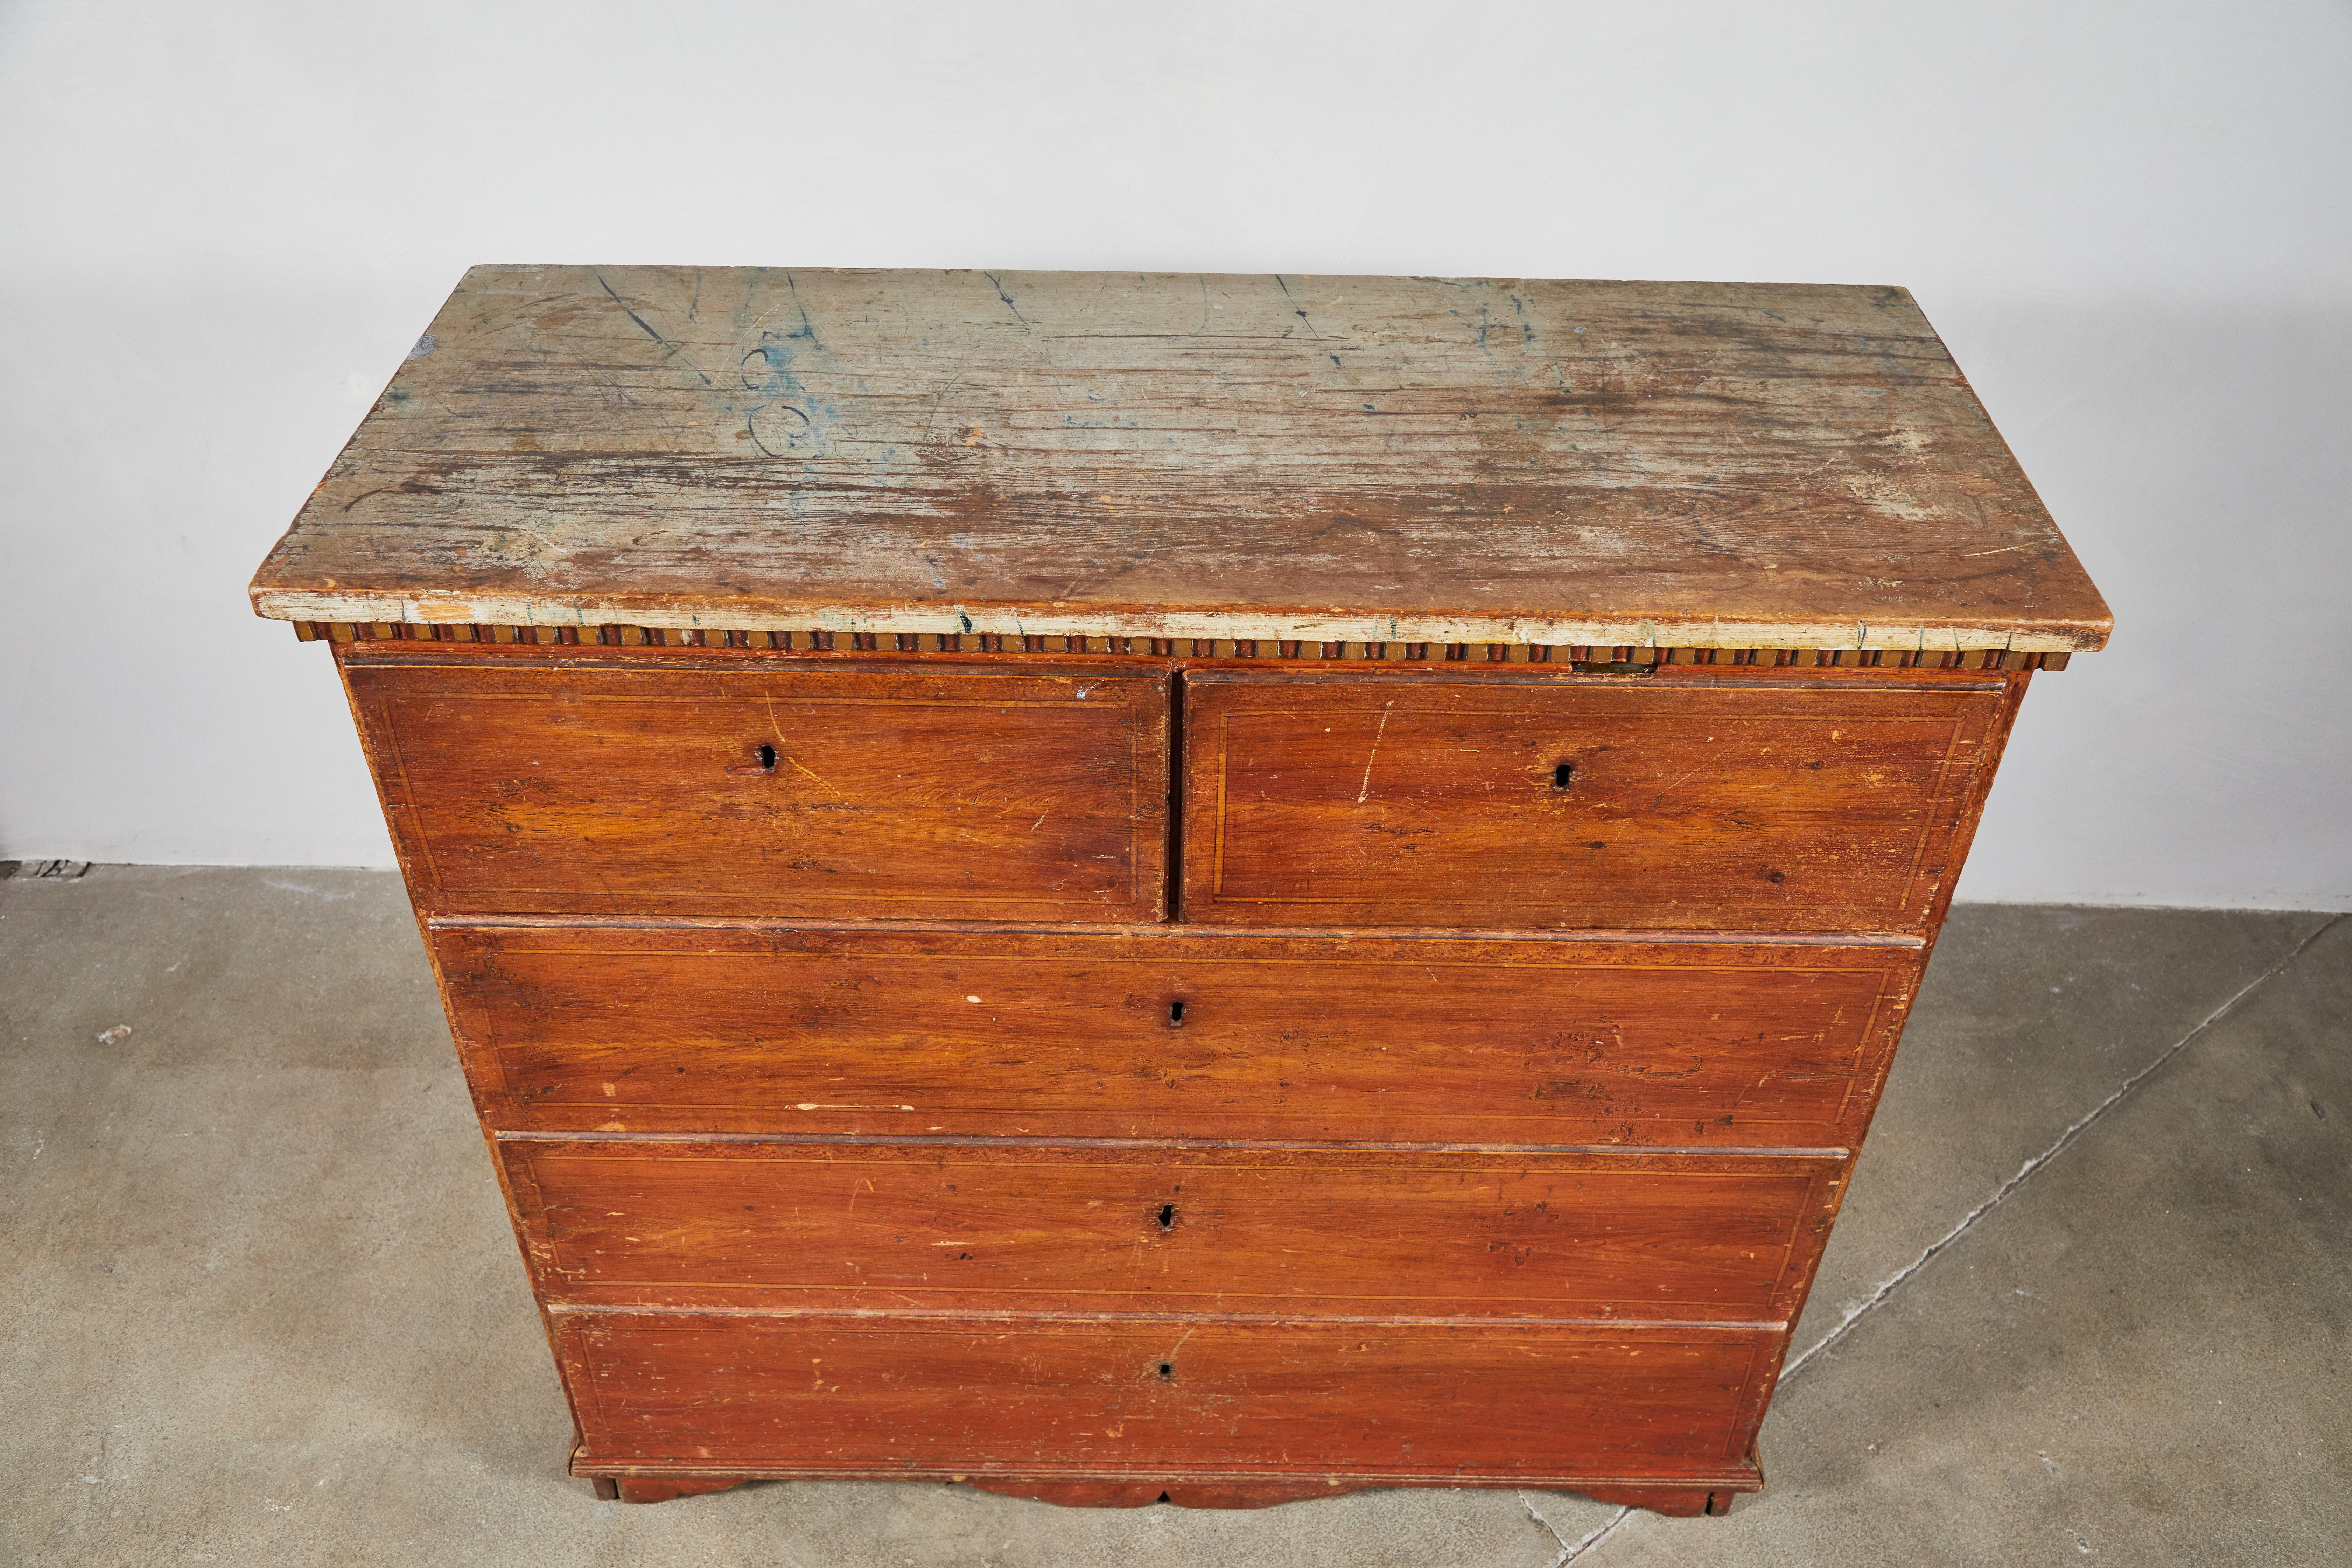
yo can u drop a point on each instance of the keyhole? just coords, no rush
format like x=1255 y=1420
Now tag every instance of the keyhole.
x=1176 y=1014
x=767 y=755
x=1167 y=1216
x=1561 y=774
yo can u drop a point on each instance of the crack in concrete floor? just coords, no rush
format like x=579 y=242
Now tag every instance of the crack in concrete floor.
x=194 y=1270
x=2065 y=1140
x=1550 y=1529
x=1598 y=1534
x=2074 y=1130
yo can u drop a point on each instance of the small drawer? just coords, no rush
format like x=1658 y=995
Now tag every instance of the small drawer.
x=588 y=785
x=845 y=1226
x=1161 y=1033
x=1353 y=1403
x=1746 y=803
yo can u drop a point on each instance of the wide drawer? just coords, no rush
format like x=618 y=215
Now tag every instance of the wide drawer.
x=1369 y=1402
x=1158 y=1032
x=1749 y=803
x=839 y=1225
x=749 y=789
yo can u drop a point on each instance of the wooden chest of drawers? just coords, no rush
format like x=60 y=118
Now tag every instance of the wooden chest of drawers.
x=1213 y=889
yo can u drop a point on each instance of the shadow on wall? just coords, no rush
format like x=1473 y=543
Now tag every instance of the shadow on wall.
x=2196 y=461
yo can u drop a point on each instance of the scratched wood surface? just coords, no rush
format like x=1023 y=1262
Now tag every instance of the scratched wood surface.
x=1381 y=459
x=1371 y=1403
x=1160 y=1032
x=878 y=1227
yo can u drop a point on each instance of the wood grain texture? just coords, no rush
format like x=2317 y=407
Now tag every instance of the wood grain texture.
x=1160 y=1033
x=1681 y=1502
x=759 y=789
x=1134 y=1494
x=849 y=1226
x=1352 y=459
x=1743 y=800
x=1352 y=1402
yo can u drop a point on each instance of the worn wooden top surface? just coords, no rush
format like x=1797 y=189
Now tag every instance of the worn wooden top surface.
x=1114 y=454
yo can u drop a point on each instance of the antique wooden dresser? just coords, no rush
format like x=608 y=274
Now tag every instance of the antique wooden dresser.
x=1211 y=889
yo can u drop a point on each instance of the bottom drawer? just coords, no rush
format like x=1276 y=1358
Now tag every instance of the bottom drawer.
x=1162 y=1399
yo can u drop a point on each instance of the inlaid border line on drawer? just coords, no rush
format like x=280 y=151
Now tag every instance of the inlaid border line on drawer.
x=1048 y=1315
x=1946 y=807
x=1162 y=929
x=1341 y=1478
x=1341 y=1145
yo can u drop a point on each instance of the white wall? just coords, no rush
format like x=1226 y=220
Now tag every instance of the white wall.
x=222 y=224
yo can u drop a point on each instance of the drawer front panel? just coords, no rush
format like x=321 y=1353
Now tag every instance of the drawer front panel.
x=818 y=1396
x=1162 y=1033
x=1680 y=803
x=750 y=790
x=1024 y=1227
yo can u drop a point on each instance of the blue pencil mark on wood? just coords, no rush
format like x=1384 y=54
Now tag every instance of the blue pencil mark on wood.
x=647 y=327
x=998 y=284
x=786 y=424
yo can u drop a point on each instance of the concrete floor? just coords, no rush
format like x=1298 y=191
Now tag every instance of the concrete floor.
x=2091 y=1297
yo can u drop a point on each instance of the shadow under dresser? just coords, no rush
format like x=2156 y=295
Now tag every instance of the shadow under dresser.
x=1215 y=890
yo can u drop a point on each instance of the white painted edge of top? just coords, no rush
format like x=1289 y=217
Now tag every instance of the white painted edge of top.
x=1239 y=625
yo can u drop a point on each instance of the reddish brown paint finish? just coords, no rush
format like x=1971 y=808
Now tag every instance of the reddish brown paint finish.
x=1130 y=1494
x=1294 y=1117
x=841 y=1226
x=1163 y=1033
x=627 y=1489
x=793 y=824
x=735 y=788
x=1686 y=1503
x=1714 y=802
x=1677 y=1501
x=1163 y=1400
